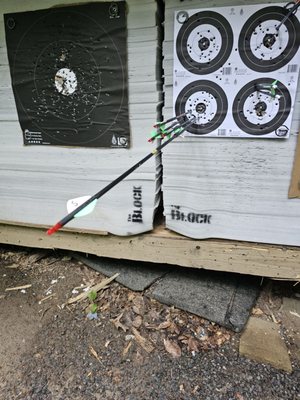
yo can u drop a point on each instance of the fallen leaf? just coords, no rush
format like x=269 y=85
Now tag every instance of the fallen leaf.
x=136 y=310
x=66 y=258
x=138 y=305
x=131 y=296
x=137 y=322
x=150 y=326
x=203 y=338
x=164 y=325
x=143 y=342
x=183 y=338
x=118 y=324
x=193 y=344
x=220 y=341
x=94 y=353
x=99 y=286
x=195 y=390
x=116 y=375
x=153 y=315
x=173 y=328
x=126 y=349
x=172 y=348
x=257 y=311
x=105 y=307
x=138 y=358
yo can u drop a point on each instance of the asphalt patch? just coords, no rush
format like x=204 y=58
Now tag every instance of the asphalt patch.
x=226 y=299
x=136 y=276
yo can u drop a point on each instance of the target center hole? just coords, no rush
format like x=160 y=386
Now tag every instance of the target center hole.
x=260 y=108
x=269 y=40
x=204 y=43
x=200 y=108
x=65 y=81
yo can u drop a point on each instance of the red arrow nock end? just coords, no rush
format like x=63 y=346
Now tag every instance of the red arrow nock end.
x=54 y=228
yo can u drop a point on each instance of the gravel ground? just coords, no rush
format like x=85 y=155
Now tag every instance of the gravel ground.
x=54 y=352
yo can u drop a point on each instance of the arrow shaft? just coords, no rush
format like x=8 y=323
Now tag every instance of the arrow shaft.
x=170 y=119
x=176 y=132
x=292 y=10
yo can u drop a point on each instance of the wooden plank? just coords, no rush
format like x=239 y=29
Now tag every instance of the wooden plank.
x=294 y=190
x=161 y=246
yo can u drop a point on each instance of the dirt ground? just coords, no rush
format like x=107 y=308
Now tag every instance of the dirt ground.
x=135 y=349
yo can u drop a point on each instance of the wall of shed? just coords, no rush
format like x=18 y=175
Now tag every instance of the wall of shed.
x=36 y=181
x=242 y=183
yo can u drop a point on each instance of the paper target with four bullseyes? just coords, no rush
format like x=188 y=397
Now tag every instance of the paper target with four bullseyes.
x=236 y=70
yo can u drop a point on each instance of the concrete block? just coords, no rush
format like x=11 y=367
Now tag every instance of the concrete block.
x=262 y=342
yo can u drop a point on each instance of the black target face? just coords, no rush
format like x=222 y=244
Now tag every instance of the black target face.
x=257 y=112
x=73 y=95
x=204 y=42
x=206 y=102
x=68 y=68
x=262 y=47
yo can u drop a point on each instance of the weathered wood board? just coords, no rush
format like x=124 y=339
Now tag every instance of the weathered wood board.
x=164 y=247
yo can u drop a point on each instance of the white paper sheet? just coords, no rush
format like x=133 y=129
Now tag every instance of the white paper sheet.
x=235 y=72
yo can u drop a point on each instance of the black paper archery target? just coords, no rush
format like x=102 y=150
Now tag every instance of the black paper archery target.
x=262 y=47
x=257 y=111
x=69 y=74
x=204 y=42
x=205 y=101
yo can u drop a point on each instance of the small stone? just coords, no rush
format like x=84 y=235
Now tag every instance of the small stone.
x=92 y=316
x=261 y=342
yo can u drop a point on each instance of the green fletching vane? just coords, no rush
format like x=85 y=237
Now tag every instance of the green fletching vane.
x=153 y=133
x=87 y=210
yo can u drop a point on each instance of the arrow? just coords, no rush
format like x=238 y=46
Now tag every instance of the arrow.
x=74 y=203
x=171 y=119
x=269 y=90
x=162 y=130
x=292 y=7
x=81 y=204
